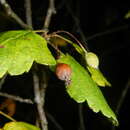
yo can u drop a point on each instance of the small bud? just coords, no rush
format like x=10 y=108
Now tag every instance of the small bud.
x=63 y=72
x=92 y=60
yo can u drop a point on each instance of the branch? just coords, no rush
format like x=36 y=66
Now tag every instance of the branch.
x=13 y=15
x=43 y=86
x=77 y=24
x=53 y=120
x=7 y=116
x=16 y=98
x=51 y=10
x=81 y=118
x=122 y=97
x=116 y=29
x=121 y=100
x=60 y=4
x=28 y=12
x=39 y=103
x=84 y=38
x=2 y=80
x=40 y=92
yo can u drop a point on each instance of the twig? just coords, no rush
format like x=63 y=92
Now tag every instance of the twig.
x=121 y=100
x=43 y=86
x=12 y=14
x=7 y=116
x=2 y=81
x=84 y=38
x=60 y=4
x=72 y=36
x=28 y=12
x=53 y=120
x=77 y=23
x=51 y=10
x=39 y=103
x=16 y=98
x=40 y=93
x=81 y=118
x=122 y=97
x=116 y=29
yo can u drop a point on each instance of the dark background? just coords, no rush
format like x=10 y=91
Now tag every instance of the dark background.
x=100 y=26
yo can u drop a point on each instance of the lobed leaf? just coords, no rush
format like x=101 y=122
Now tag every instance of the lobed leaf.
x=19 y=49
x=83 y=88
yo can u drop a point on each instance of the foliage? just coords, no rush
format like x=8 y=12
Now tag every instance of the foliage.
x=83 y=88
x=18 y=51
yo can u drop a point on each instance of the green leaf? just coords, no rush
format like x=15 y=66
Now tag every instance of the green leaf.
x=19 y=126
x=98 y=77
x=83 y=88
x=19 y=49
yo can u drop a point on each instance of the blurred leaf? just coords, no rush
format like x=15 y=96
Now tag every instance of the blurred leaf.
x=19 y=126
x=19 y=49
x=77 y=47
x=58 y=41
x=8 y=105
x=127 y=15
x=83 y=88
x=98 y=77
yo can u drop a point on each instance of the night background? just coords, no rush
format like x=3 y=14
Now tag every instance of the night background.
x=102 y=27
